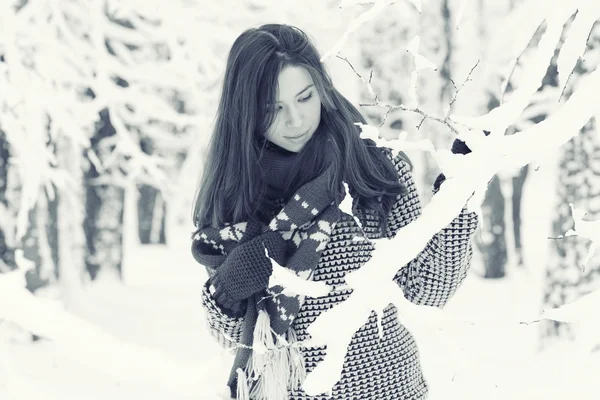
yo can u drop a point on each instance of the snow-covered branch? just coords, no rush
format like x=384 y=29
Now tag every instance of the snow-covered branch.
x=377 y=7
x=574 y=46
x=498 y=119
x=582 y=312
x=586 y=229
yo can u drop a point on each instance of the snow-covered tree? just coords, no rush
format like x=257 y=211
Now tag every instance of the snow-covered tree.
x=568 y=275
x=71 y=69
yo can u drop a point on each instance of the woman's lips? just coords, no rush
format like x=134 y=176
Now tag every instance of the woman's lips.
x=297 y=137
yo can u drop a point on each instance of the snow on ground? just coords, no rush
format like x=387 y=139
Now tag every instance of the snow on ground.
x=159 y=307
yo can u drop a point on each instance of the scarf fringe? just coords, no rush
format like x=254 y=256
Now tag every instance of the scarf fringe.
x=243 y=391
x=274 y=367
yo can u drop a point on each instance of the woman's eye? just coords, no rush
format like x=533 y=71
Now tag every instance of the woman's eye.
x=274 y=109
x=306 y=98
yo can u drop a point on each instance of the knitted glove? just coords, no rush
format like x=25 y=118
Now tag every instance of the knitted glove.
x=247 y=269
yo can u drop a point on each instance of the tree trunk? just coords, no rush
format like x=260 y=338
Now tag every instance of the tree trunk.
x=151 y=208
x=104 y=243
x=40 y=243
x=70 y=213
x=435 y=90
x=518 y=183
x=492 y=242
x=479 y=27
x=549 y=83
x=7 y=245
x=104 y=208
x=151 y=215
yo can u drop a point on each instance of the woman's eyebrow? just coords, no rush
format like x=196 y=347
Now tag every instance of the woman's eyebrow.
x=302 y=91
x=305 y=89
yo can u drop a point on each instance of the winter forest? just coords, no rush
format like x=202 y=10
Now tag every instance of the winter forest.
x=106 y=108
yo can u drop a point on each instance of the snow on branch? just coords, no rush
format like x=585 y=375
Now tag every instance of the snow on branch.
x=582 y=312
x=498 y=119
x=574 y=46
x=377 y=7
x=586 y=229
x=421 y=63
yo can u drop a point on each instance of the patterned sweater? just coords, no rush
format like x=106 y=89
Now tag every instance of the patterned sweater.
x=374 y=368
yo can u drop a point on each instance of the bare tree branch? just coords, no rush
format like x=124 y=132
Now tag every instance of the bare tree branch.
x=468 y=79
x=447 y=121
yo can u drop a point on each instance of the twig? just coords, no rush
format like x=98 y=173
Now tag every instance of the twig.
x=535 y=321
x=368 y=83
x=573 y=70
x=468 y=79
x=562 y=92
x=512 y=71
x=454 y=83
x=390 y=107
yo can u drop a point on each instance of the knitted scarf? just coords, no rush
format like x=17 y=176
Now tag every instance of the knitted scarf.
x=266 y=363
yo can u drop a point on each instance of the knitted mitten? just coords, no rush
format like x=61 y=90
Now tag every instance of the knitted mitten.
x=247 y=269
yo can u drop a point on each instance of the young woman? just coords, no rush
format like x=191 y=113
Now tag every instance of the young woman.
x=283 y=144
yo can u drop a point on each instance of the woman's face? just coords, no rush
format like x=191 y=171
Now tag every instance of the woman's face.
x=297 y=109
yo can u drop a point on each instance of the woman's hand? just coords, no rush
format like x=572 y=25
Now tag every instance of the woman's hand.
x=247 y=269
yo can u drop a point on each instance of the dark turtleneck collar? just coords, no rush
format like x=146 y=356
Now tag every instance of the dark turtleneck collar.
x=277 y=164
x=268 y=145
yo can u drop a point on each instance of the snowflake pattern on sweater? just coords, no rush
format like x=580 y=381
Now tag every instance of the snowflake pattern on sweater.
x=374 y=368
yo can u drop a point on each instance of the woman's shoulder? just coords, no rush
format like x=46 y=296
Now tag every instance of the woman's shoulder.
x=399 y=160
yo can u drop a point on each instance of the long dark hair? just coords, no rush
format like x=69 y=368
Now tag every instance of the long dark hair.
x=232 y=186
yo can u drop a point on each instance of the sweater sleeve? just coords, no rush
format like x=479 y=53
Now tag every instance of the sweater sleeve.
x=224 y=326
x=435 y=274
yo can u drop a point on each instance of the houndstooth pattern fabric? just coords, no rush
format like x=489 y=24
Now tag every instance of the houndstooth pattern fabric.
x=225 y=329
x=388 y=368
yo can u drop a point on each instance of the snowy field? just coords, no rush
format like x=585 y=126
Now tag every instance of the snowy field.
x=159 y=308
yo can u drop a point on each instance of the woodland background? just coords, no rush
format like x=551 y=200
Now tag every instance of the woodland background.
x=105 y=111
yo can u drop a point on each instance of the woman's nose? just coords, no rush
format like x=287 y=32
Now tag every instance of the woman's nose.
x=294 y=118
